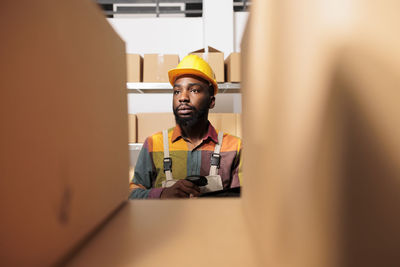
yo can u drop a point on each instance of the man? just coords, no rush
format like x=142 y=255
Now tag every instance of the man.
x=193 y=146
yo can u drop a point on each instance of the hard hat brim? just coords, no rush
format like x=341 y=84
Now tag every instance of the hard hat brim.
x=175 y=73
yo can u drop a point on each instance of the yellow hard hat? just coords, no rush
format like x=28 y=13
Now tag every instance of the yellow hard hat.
x=195 y=65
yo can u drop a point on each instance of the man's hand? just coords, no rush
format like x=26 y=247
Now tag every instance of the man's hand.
x=181 y=189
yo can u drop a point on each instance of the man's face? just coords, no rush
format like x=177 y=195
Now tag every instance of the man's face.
x=191 y=100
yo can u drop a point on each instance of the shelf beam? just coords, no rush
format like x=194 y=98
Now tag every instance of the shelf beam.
x=143 y=88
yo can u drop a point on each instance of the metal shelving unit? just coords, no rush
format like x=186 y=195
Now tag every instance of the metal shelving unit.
x=188 y=8
x=144 y=88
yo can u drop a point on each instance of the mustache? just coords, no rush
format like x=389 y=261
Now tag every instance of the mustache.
x=186 y=107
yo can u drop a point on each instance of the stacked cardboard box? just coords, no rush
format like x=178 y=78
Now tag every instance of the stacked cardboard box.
x=150 y=123
x=134 y=65
x=132 y=128
x=233 y=68
x=225 y=122
x=156 y=67
x=239 y=125
x=215 y=58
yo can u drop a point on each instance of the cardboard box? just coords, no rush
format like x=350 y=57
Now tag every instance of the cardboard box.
x=239 y=125
x=330 y=186
x=132 y=128
x=134 y=66
x=233 y=68
x=225 y=122
x=215 y=58
x=156 y=67
x=150 y=123
x=76 y=158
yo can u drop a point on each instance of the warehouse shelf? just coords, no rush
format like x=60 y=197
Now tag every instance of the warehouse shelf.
x=143 y=88
x=135 y=146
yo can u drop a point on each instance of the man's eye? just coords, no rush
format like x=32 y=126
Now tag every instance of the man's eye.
x=195 y=91
x=176 y=92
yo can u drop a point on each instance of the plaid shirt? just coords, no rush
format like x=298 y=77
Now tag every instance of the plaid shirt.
x=149 y=170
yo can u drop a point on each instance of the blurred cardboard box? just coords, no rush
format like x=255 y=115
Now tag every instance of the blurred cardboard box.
x=215 y=58
x=132 y=128
x=76 y=158
x=134 y=66
x=233 y=67
x=156 y=67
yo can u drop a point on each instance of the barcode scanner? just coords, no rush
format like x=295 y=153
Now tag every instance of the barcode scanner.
x=198 y=180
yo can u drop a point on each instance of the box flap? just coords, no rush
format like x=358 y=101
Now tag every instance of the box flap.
x=210 y=50
x=198 y=51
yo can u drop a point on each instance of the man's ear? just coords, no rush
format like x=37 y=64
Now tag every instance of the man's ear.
x=212 y=102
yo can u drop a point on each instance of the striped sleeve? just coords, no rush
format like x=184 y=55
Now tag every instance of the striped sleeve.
x=144 y=175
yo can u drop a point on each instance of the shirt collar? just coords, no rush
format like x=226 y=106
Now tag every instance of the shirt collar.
x=211 y=133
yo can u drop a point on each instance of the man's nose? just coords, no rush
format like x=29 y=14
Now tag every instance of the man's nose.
x=184 y=96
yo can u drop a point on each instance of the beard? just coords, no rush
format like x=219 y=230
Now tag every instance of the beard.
x=197 y=115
